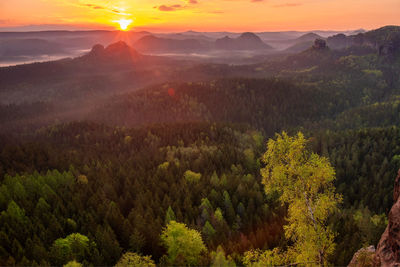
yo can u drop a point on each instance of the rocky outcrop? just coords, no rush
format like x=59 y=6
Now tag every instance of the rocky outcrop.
x=363 y=257
x=388 y=249
x=339 y=41
x=97 y=50
x=391 y=48
x=385 y=41
x=319 y=44
x=118 y=52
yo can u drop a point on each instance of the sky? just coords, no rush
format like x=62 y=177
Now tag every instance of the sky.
x=199 y=15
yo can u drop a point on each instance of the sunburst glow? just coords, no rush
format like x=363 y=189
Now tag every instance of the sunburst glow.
x=124 y=24
x=198 y=15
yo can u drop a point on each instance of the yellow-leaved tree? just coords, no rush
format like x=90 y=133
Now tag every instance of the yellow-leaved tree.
x=304 y=181
x=184 y=245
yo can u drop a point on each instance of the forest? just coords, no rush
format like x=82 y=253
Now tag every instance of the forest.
x=184 y=171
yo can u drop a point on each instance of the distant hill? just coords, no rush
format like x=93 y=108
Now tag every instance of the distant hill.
x=156 y=44
x=198 y=43
x=52 y=45
x=102 y=71
x=183 y=36
x=118 y=52
x=246 y=41
x=299 y=47
x=385 y=40
x=28 y=46
x=317 y=54
x=308 y=37
x=303 y=43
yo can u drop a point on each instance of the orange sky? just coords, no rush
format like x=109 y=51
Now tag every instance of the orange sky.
x=203 y=15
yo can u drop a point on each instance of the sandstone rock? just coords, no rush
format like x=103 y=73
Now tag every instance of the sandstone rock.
x=319 y=44
x=363 y=257
x=396 y=190
x=97 y=49
x=338 y=41
x=118 y=52
x=388 y=249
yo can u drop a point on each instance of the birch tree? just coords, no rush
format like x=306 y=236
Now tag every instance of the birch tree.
x=304 y=181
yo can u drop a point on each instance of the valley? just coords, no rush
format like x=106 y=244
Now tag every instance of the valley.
x=113 y=146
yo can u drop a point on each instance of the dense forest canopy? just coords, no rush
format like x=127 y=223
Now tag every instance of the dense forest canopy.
x=106 y=165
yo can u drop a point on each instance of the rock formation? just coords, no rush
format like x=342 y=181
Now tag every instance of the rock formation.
x=388 y=249
x=319 y=44
x=363 y=257
x=118 y=52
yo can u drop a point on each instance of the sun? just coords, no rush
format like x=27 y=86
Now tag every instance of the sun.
x=124 y=23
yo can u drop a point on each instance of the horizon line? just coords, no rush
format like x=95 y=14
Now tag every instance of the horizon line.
x=6 y=30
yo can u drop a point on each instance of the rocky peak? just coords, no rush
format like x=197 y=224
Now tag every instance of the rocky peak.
x=249 y=36
x=118 y=52
x=97 y=49
x=226 y=38
x=338 y=41
x=120 y=45
x=319 y=44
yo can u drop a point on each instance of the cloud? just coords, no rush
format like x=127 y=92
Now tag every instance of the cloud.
x=169 y=8
x=98 y=7
x=94 y=6
x=217 y=12
x=177 y=6
x=288 y=5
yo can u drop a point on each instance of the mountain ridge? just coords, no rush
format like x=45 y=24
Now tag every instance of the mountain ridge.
x=246 y=41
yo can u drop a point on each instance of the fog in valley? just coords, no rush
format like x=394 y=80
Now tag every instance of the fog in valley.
x=223 y=47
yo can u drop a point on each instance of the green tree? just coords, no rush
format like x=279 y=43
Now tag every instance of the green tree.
x=184 y=245
x=192 y=176
x=214 y=180
x=208 y=230
x=218 y=215
x=73 y=264
x=82 y=179
x=73 y=247
x=220 y=260
x=136 y=241
x=304 y=181
x=14 y=212
x=131 y=259
x=170 y=215
x=257 y=258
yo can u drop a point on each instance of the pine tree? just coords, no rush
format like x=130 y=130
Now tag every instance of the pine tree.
x=170 y=215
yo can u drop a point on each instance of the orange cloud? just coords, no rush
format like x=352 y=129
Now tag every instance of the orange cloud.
x=169 y=8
